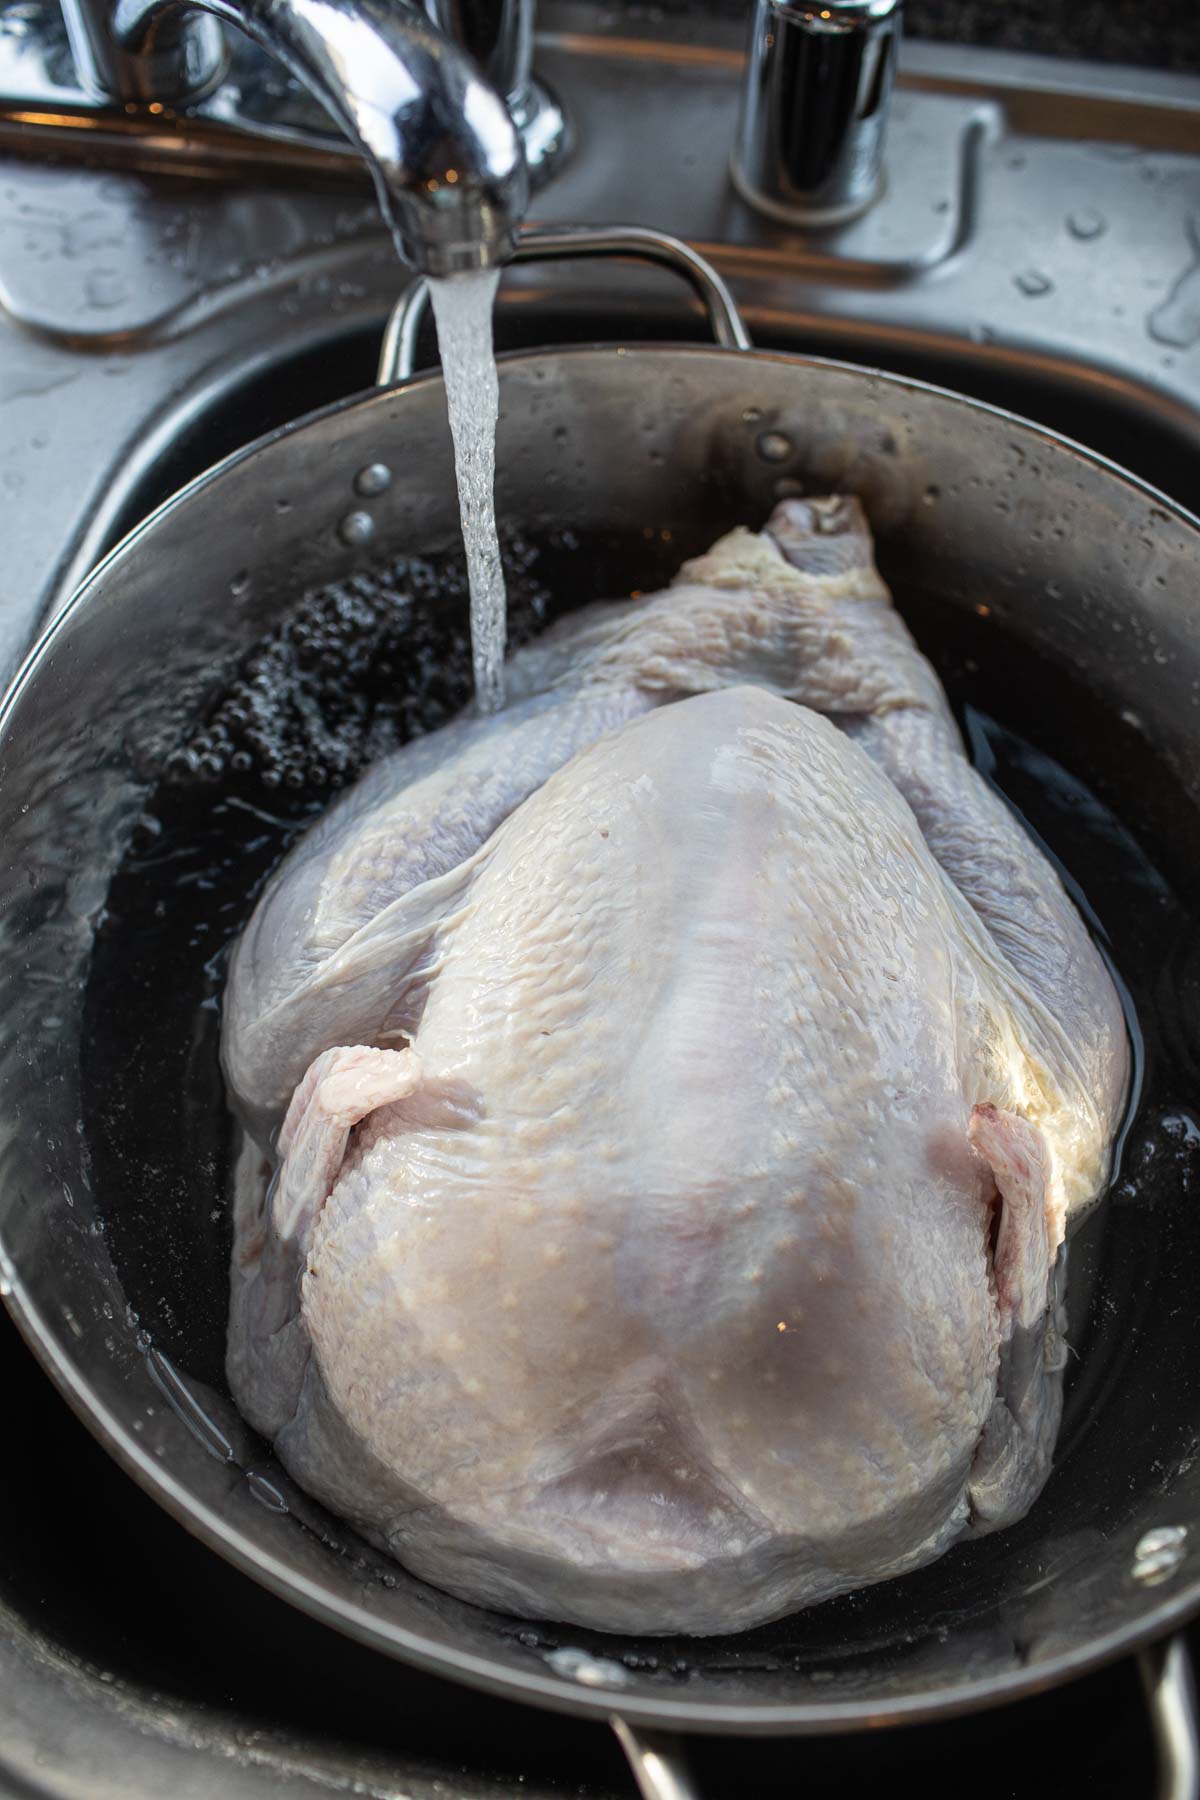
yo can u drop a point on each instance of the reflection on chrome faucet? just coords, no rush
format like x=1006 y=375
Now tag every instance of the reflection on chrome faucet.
x=499 y=35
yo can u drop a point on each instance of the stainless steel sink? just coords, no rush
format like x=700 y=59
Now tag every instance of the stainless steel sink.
x=1038 y=246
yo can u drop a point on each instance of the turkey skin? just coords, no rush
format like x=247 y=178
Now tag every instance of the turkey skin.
x=664 y=1105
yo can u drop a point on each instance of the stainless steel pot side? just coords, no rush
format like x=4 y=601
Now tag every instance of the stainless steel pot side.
x=1086 y=565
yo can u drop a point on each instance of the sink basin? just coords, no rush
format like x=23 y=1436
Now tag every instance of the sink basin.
x=1034 y=250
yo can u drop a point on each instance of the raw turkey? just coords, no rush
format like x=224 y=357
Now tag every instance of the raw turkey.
x=680 y=1086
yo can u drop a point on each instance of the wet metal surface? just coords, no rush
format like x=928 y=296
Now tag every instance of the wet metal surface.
x=1038 y=243
x=152 y=306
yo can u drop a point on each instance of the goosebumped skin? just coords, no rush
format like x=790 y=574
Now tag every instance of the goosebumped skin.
x=682 y=1254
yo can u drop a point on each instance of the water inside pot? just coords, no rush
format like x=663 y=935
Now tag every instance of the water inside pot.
x=357 y=668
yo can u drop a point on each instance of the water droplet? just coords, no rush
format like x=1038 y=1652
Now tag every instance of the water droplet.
x=1086 y=223
x=932 y=495
x=983 y=334
x=1033 y=283
x=752 y=415
x=375 y=479
x=1158 y=1554
x=240 y=584
x=105 y=288
x=356 y=528
x=774 y=446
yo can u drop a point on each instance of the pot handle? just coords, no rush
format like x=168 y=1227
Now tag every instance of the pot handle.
x=660 y=1769
x=555 y=242
x=1170 y=1684
x=657 y=1760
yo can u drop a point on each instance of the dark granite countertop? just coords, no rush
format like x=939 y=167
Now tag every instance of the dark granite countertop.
x=1155 y=34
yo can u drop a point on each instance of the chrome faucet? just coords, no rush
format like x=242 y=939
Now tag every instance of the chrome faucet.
x=446 y=157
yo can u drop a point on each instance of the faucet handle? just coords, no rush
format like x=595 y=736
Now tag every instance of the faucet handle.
x=818 y=84
x=187 y=58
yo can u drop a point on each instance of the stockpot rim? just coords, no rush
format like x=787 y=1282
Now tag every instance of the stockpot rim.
x=671 y=1711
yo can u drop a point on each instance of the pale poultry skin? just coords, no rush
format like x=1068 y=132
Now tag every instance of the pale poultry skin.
x=681 y=1085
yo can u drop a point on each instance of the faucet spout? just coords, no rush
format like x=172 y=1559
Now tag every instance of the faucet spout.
x=444 y=153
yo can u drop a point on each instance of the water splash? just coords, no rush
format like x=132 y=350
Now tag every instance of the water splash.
x=462 y=306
